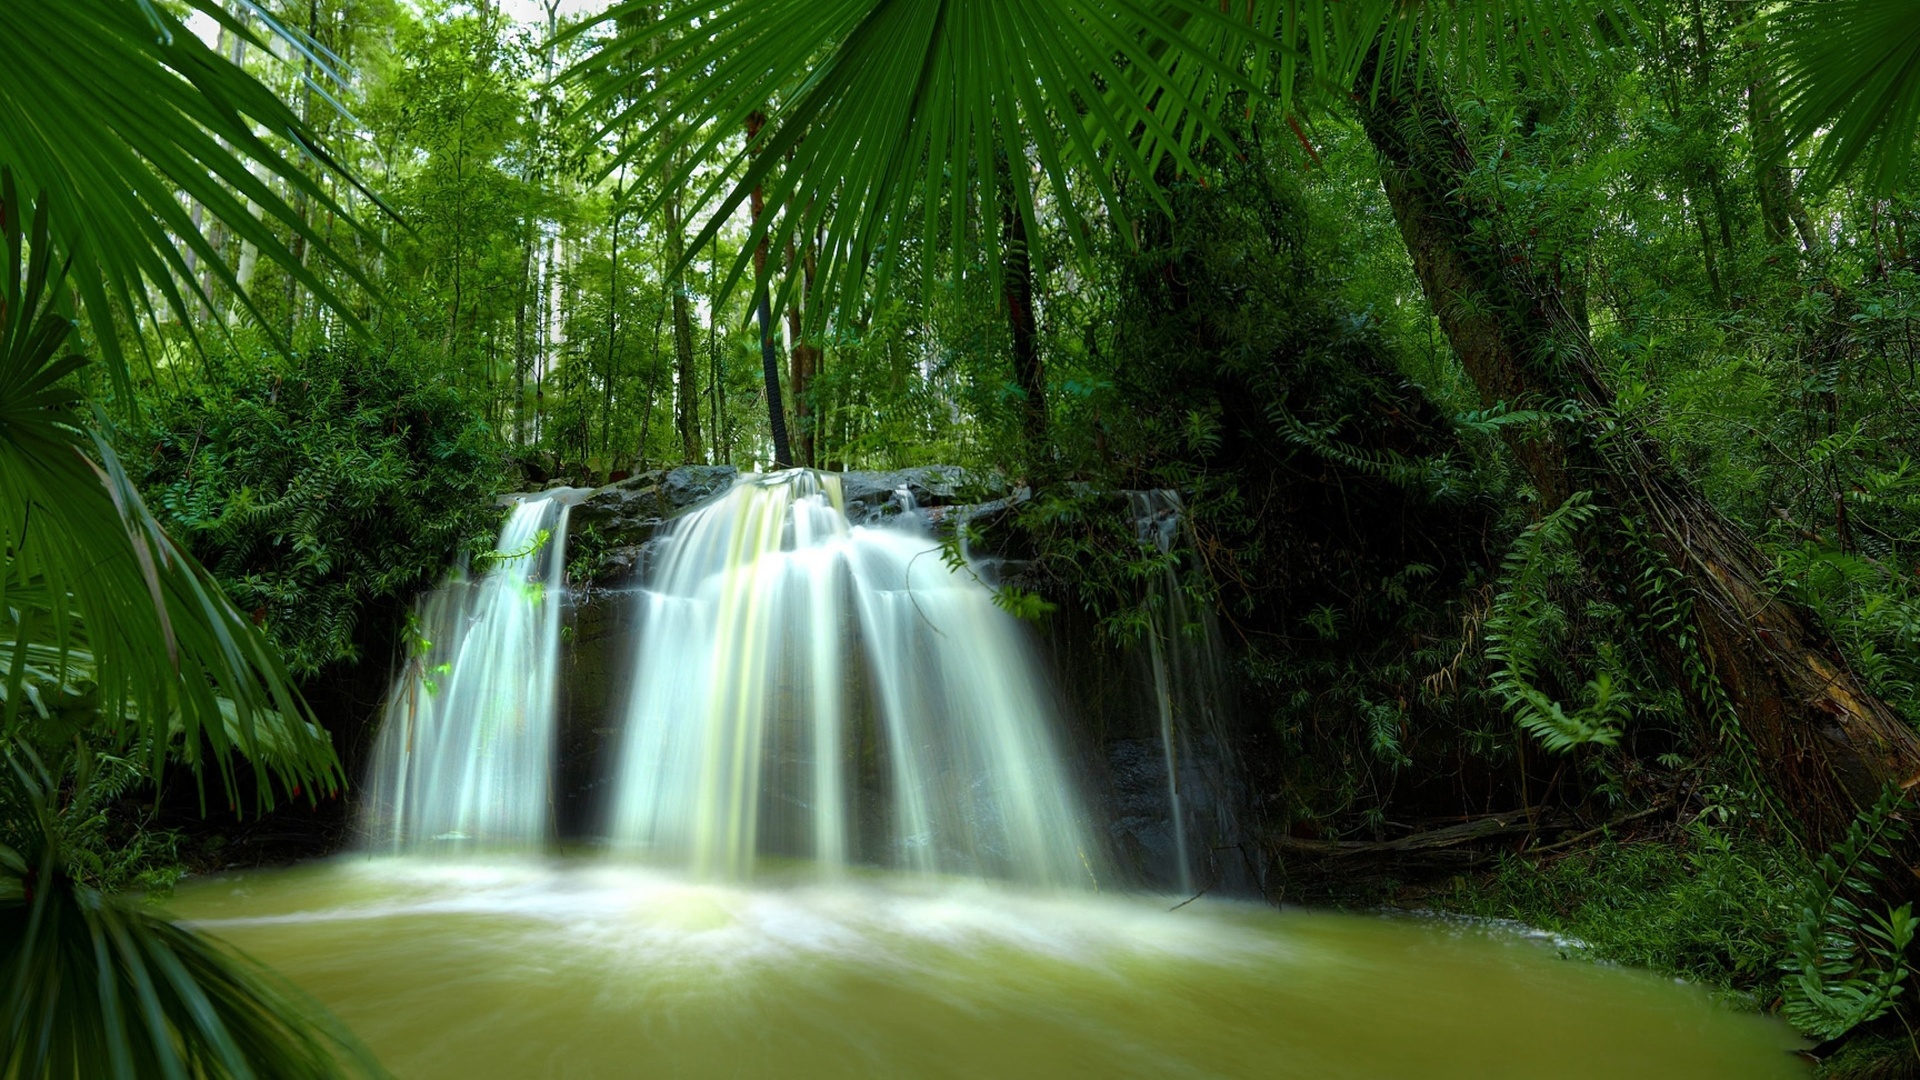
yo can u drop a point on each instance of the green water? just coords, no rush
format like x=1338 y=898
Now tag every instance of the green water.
x=582 y=970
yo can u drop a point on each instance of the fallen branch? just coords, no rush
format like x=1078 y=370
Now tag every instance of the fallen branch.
x=1591 y=833
x=1481 y=828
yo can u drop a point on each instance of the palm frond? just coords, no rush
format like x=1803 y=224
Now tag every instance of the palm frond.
x=1850 y=84
x=90 y=574
x=117 y=109
x=93 y=986
x=902 y=121
x=875 y=105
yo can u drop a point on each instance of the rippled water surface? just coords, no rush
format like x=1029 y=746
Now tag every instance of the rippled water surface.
x=584 y=970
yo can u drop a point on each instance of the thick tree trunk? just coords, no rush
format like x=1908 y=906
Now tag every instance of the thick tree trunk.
x=1824 y=744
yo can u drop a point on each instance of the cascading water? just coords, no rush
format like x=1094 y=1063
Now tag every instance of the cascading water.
x=807 y=688
x=465 y=756
x=1156 y=521
x=1184 y=660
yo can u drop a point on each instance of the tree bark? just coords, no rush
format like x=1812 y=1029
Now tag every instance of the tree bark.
x=803 y=362
x=523 y=300
x=1780 y=205
x=686 y=376
x=722 y=447
x=1017 y=297
x=769 y=359
x=1822 y=742
x=613 y=322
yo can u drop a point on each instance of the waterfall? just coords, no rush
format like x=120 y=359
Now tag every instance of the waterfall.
x=807 y=689
x=1184 y=660
x=465 y=754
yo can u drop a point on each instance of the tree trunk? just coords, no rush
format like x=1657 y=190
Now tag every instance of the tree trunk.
x=1017 y=298
x=521 y=354
x=769 y=359
x=803 y=362
x=1780 y=207
x=686 y=376
x=722 y=447
x=1823 y=743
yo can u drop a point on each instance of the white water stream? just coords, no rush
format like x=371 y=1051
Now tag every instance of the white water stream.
x=810 y=689
x=809 y=697
x=465 y=757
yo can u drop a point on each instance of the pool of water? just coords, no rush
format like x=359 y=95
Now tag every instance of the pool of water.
x=577 y=969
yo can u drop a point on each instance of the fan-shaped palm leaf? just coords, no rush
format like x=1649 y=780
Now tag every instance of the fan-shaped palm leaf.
x=88 y=567
x=92 y=986
x=890 y=117
x=1851 y=85
x=116 y=109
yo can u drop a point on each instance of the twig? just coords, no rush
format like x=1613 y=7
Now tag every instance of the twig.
x=1190 y=899
x=1590 y=833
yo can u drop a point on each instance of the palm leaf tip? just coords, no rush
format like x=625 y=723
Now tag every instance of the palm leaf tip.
x=162 y=115
x=97 y=987
x=1849 y=75
x=91 y=576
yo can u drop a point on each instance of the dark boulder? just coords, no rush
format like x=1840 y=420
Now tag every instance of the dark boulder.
x=609 y=530
x=876 y=496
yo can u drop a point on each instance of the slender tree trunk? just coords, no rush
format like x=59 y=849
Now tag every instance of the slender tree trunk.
x=1691 y=169
x=613 y=320
x=722 y=451
x=1703 y=54
x=1017 y=298
x=653 y=391
x=1825 y=745
x=803 y=361
x=1780 y=205
x=191 y=256
x=686 y=376
x=763 y=303
x=521 y=353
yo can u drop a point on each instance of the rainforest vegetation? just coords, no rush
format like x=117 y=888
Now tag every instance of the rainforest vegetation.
x=1542 y=382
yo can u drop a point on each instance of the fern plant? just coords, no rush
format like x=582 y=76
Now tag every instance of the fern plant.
x=1846 y=965
x=1525 y=621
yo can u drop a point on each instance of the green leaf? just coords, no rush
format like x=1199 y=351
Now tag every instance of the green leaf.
x=117 y=107
x=92 y=577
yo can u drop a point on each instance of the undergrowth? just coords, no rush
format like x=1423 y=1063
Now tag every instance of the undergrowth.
x=1701 y=902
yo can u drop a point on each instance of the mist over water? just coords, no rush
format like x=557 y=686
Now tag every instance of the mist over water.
x=588 y=968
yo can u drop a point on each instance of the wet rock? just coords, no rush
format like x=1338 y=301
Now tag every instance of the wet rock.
x=1141 y=818
x=609 y=531
x=598 y=641
x=628 y=512
x=876 y=496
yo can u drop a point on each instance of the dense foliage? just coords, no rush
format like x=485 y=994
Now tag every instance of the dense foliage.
x=322 y=486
